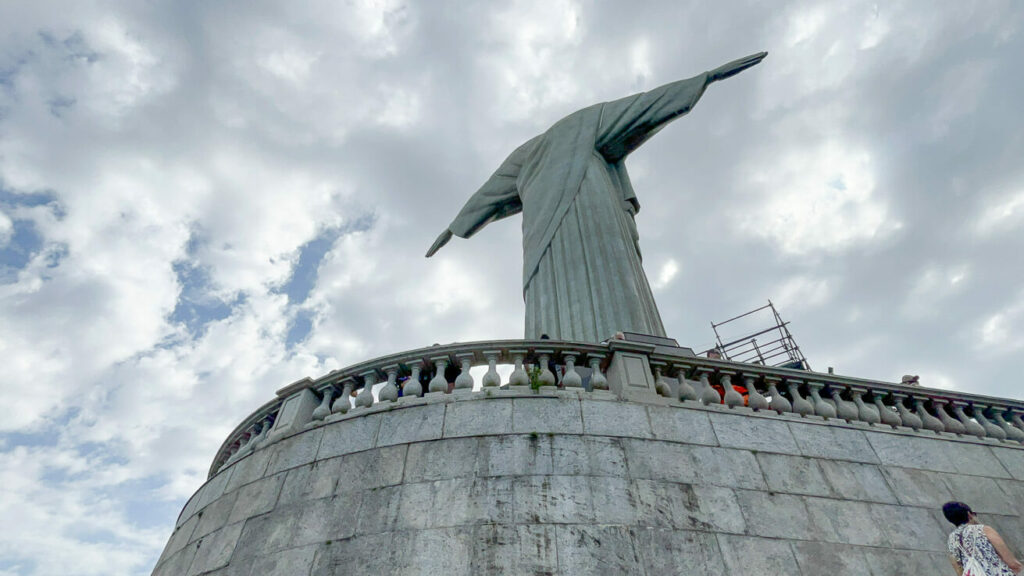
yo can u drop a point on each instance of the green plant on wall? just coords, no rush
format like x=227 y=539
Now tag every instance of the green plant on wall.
x=534 y=375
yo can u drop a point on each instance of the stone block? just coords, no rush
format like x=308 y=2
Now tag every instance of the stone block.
x=850 y=522
x=976 y=460
x=912 y=452
x=604 y=550
x=825 y=559
x=1015 y=490
x=177 y=563
x=917 y=487
x=612 y=500
x=779 y=516
x=413 y=424
x=294 y=451
x=601 y=418
x=857 y=481
x=793 y=475
x=752 y=556
x=256 y=498
x=725 y=467
x=833 y=442
x=515 y=550
x=463 y=501
x=899 y=562
x=214 y=516
x=310 y=482
x=372 y=554
x=478 y=418
x=214 y=551
x=265 y=534
x=515 y=455
x=214 y=488
x=686 y=507
x=753 y=433
x=442 y=551
x=678 y=552
x=911 y=528
x=1012 y=460
x=718 y=508
x=982 y=494
x=249 y=469
x=285 y=563
x=180 y=538
x=552 y=500
x=441 y=459
x=588 y=456
x=352 y=435
x=681 y=425
x=332 y=518
x=654 y=460
x=379 y=510
x=546 y=415
x=371 y=469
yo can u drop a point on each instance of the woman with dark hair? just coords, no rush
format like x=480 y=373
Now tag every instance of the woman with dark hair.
x=976 y=549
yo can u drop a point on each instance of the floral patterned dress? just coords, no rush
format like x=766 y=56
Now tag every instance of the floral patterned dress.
x=967 y=541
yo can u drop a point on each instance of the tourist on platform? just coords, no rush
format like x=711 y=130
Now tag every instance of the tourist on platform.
x=976 y=549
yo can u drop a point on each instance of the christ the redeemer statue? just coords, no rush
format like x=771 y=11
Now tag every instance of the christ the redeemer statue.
x=582 y=273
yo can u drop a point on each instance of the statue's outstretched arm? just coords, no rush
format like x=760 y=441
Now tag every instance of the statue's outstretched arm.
x=628 y=122
x=498 y=198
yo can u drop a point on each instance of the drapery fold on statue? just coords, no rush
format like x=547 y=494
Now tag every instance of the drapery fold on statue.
x=582 y=273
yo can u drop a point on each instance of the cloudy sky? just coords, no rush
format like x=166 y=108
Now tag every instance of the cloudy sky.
x=201 y=202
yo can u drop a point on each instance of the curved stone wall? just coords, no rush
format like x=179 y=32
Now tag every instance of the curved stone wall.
x=580 y=483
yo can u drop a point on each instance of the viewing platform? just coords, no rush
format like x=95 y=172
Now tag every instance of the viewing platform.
x=644 y=459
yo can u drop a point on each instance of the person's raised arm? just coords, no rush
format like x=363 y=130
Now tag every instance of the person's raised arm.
x=1002 y=549
x=629 y=122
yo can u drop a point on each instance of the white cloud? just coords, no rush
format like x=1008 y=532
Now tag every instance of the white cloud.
x=1000 y=332
x=6 y=229
x=801 y=293
x=822 y=199
x=666 y=274
x=933 y=286
x=1001 y=214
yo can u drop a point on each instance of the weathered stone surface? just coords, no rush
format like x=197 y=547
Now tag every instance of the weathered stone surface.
x=976 y=460
x=899 y=562
x=678 y=552
x=248 y=469
x=605 y=550
x=910 y=528
x=514 y=549
x=856 y=481
x=214 y=551
x=779 y=516
x=256 y=498
x=1011 y=459
x=552 y=500
x=310 y=482
x=724 y=467
x=751 y=556
x=580 y=455
x=823 y=559
x=371 y=469
x=615 y=419
x=546 y=415
x=285 y=563
x=181 y=536
x=917 y=487
x=214 y=488
x=214 y=516
x=984 y=494
x=348 y=436
x=441 y=459
x=753 y=433
x=833 y=443
x=412 y=424
x=332 y=518
x=515 y=455
x=295 y=451
x=912 y=452
x=477 y=418
x=689 y=426
x=660 y=461
x=850 y=522
x=793 y=475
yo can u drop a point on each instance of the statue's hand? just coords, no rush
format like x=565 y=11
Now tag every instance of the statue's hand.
x=735 y=67
x=442 y=239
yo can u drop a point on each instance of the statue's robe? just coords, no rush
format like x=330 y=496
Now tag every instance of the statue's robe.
x=582 y=273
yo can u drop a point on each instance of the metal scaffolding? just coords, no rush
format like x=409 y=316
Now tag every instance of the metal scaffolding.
x=776 y=348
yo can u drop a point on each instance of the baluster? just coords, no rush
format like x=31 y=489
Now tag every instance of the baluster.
x=800 y=404
x=491 y=378
x=343 y=404
x=971 y=426
x=389 y=391
x=732 y=397
x=930 y=422
x=821 y=408
x=845 y=410
x=660 y=385
x=571 y=378
x=324 y=409
x=950 y=425
x=597 y=379
x=365 y=396
x=991 y=430
x=264 y=430
x=1011 y=432
x=547 y=377
x=865 y=413
x=708 y=395
x=686 y=391
x=412 y=387
x=438 y=383
x=909 y=418
x=779 y=402
x=519 y=377
x=1016 y=419
x=464 y=381
x=888 y=415
x=755 y=400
